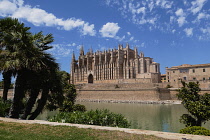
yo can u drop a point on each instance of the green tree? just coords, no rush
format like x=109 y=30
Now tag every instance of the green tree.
x=24 y=55
x=41 y=76
x=197 y=105
x=64 y=102
x=11 y=34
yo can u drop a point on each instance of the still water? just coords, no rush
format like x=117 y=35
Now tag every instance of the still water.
x=157 y=117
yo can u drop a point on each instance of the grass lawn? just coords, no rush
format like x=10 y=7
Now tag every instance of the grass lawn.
x=18 y=131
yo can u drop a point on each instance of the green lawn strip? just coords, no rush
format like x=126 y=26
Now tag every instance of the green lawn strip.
x=21 y=131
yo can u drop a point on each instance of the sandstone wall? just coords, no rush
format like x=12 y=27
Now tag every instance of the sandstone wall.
x=130 y=95
x=122 y=92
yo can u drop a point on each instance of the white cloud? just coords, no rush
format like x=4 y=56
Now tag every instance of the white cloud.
x=109 y=30
x=38 y=17
x=7 y=7
x=197 y=5
x=60 y=50
x=69 y=24
x=200 y=16
x=181 y=21
x=151 y=5
x=203 y=16
x=142 y=45
x=120 y=38
x=189 y=31
x=172 y=19
x=166 y=15
x=141 y=10
x=173 y=31
x=164 y=3
x=131 y=38
x=205 y=30
x=185 y=2
x=19 y=2
x=88 y=29
x=128 y=33
x=70 y=45
x=179 y=12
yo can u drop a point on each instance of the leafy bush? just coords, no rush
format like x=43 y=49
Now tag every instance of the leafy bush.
x=4 y=107
x=97 y=117
x=67 y=106
x=196 y=104
x=195 y=130
x=79 y=107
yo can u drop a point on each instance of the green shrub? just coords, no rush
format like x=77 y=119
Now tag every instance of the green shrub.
x=79 y=107
x=4 y=107
x=195 y=130
x=97 y=117
x=67 y=106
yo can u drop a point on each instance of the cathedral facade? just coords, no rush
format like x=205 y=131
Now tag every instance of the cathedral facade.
x=122 y=65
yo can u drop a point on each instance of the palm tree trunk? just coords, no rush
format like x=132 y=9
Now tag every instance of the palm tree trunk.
x=33 y=96
x=7 y=81
x=19 y=94
x=41 y=104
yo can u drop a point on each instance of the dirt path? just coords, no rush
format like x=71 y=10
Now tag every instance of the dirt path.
x=171 y=136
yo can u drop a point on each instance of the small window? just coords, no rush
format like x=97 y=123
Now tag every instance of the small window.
x=165 y=78
x=194 y=78
x=174 y=80
x=204 y=78
x=209 y=78
x=193 y=70
x=173 y=71
x=185 y=78
x=204 y=70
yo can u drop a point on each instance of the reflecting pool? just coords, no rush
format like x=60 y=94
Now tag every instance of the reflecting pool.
x=157 y=117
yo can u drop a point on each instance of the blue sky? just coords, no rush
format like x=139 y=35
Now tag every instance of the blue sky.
x=173 y=32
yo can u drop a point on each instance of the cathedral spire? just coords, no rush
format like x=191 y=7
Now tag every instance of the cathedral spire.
x=91 y=50
x=73 y=58
x=136 y=52
x=81 y=50
x=141 y=54
x=127 y=46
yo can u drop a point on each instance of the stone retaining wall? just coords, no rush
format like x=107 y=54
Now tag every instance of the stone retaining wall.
x=152 y=94
x=130 y=93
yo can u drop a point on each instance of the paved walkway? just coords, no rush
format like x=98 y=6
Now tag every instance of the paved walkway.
x=171 y=136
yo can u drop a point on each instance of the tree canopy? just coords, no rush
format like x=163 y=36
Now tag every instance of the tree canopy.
x=24 y=55
x=198 y=105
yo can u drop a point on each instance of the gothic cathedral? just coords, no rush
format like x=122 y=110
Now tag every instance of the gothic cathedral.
x=122 y=65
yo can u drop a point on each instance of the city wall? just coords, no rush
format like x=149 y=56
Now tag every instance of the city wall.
x=122 y=92
x=135 y=92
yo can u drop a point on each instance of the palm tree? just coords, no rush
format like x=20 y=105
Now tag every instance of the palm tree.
x=23 y=54
x=7 y=82
x=9 y=47
x=42 y=76
x=51 y=86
